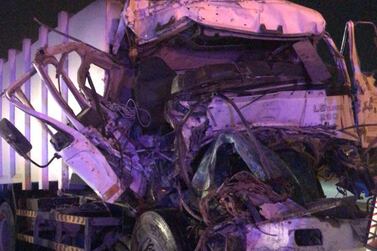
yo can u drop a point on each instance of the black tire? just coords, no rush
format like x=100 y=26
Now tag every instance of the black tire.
x=158 y=231
x=7 y=228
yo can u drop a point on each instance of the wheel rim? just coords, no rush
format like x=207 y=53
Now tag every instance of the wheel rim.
x=152 y=233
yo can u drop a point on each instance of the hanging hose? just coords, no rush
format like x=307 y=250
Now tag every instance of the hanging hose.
x=133 y=111
x=56 y=156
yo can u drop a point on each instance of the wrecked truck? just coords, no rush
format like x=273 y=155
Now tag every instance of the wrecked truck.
x=216 y=127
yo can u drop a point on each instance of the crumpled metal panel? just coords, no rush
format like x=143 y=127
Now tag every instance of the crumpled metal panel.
x=367 y=96
x=365 y=87
x=203 y=178
x=286 y=109
x=85 y=159
x=151 y=20
x=281 y=235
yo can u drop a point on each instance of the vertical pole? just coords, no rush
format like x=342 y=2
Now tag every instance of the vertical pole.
x=63 y=24
x=26 y=48
x=12 y=78
x=1 y=112
x=43 y=40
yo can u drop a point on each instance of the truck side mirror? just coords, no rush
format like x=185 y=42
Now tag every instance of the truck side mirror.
x=14 y=137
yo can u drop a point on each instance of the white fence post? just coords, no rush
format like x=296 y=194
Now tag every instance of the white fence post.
x=43 y=40
x=63 y=24
x=12 y=115
x=26 y=49
x=92 y=18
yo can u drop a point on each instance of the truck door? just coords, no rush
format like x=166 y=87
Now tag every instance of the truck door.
x=364 y=88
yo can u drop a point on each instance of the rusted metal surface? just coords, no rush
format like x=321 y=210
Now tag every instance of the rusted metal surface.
x=242 y=188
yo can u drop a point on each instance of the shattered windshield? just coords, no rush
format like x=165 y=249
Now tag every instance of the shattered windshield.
x=208 y=63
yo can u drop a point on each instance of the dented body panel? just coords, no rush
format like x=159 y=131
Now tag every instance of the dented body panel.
x=365 y=90
x=151 y=20
x=302 y=234
x=231 y=120
x=285 y=109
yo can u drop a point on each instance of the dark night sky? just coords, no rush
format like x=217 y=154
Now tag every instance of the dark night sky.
x=338 y=12
x=16 y=19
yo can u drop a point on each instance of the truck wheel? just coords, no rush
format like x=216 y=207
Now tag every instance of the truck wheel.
x=7 y=228
x=158 y=231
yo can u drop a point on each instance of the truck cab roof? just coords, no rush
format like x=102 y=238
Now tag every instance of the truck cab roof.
x=152 y=20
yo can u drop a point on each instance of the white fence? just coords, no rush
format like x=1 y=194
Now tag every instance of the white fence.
x=94 y=25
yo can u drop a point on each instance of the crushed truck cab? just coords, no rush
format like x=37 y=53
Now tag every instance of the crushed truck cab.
x=222 y=116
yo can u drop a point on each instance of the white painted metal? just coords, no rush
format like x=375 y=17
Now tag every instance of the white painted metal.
x=43 y=41
x=88 y=25
x=366 y=91
x=26 y=48
x=63 y=25
x=281 y=235
x=82 y=156
x=300 y=109
x=89 y=163
x=153 y=19
x=12 y=115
